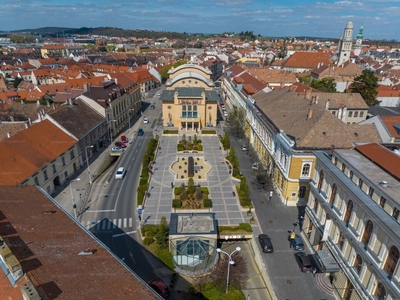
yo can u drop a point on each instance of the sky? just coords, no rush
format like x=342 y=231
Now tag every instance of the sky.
x=380 y=19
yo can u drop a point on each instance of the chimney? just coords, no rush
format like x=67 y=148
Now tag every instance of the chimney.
x=316 y=99
x=344 y=114
x=327 y=104
x=8 y=135
x=29 y=122
x=308 y=94
x=340 y=110
x=309 y=115
x=70 y=101
x=116 y=80
x=85 y=87
x=26 y=125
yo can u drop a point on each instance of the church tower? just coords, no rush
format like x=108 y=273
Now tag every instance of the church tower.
x=358 y=45
x=346 y=42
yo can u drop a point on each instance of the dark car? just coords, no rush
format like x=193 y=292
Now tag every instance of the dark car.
x=159 y=286
x=140 y=131
x=120 y=144
x=265 y=243
x=152 y=107
x=304 y=262
x=296 y=242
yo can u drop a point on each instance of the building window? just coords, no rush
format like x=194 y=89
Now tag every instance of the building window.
x=348 y=212
x=391 y=261
x=306 y=170
x=358 y=264
x=36 y=180
x=334 y=113
x=395 y=213
x=361 y=114
x=66 y=175
x=63 y=160
x=333 y=193
x=45 y=175
x=72 y=154
x=336 y=160
x=382 y=202
x=370 y=191
x=343 y=167
x=367 y=233
x=360 y=183
x=341 y=240
x=380 y=293
x=350 y=114
x=321 y=179
x=54 y=169
x=302 y=191
x=356 y=114
x=351 y=175
x=315 y=205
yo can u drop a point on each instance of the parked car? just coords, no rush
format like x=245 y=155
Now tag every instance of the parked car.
x=120 y=144
x=244 y=148
x=124 y=139
x=152 y=107
x=158 y=94
x=223 y=108
x=146 y=120
x=255 y=166
x=117 y=149
x=159 y=286
x=225 y=113
x=304 y=262
x=266 y=244
x=222 y=104
x=140 y=131
x=296 y=242
x=120 y=173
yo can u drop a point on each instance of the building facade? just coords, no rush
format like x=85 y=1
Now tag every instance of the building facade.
x=353 y=214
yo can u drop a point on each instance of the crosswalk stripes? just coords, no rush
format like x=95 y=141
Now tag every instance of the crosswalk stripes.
x=106 y=224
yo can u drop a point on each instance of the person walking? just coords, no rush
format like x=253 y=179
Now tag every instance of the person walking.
x=270 y=195
x=314 y=271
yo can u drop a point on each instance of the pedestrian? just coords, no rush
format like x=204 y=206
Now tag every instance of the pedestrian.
x=314 y=271
x=270 y=195
x=172 y=185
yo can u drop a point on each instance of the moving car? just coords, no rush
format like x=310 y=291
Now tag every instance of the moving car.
x=159 y=286
x=120 y=144
x=158 y=94
x=140 y=131
x=296 y=242
x=124 y=139
x=304 y=262
x=152 y=107
x=120 y=173
x=146 y=120
x=244 y=148
x=266 y=244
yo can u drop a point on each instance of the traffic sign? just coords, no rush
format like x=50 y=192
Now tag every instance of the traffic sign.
x=139 y=211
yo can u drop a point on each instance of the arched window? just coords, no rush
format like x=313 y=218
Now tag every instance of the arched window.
x=321 y=178
x=306 y=170
x=367 y=233
x=302 y=191
x=391 y=261
x=380 y=293
x=348 y=212
x=358 y=264
x=327 y=217
x=333 y=193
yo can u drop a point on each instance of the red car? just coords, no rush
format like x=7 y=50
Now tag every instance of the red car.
x=222 y=104
x=159 y=286
x=121 y=145
x=124 y=139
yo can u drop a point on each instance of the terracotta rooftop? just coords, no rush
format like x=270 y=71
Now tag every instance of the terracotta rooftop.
x=47 y=243
x=381 y=156
x=392 y=123
x=309 y=60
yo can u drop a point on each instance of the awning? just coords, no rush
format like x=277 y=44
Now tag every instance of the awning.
x=326 y=261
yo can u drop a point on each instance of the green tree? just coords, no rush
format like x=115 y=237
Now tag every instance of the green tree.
x=366 y=84
x=237 y=120
x=327 y=85
x=162 y=233
x=191 y=188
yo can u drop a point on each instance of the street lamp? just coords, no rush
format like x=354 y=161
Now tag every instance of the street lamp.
x=72 y=195
x=87 y=162
x=109 y=129
x=129 y=112
x=230 y=262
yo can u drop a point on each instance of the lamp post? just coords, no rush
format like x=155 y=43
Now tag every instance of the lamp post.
x=72 y=195
x=109 y=129
x=87 y=162
x=129 y=112
x=230 y=262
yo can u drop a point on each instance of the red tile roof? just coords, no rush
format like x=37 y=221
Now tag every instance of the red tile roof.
x=48 y=247
x=382 y=157
x=390 y=122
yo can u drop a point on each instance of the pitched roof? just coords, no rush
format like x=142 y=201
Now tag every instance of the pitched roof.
x=290 y=111
x=309 y=60
x=31 y=149
x=381 y=156
x=392 y=123
x=49 y=246
x=85 y=118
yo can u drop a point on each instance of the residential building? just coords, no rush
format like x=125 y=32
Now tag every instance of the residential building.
x=387 y=126
x=57 y=257
x=302 y=61
x=42 y=155
x=352 y=215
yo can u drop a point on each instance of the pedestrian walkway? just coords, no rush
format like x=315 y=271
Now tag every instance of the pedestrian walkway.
x=106 y=224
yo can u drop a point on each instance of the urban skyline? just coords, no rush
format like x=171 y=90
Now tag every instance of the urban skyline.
x=271 y=19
